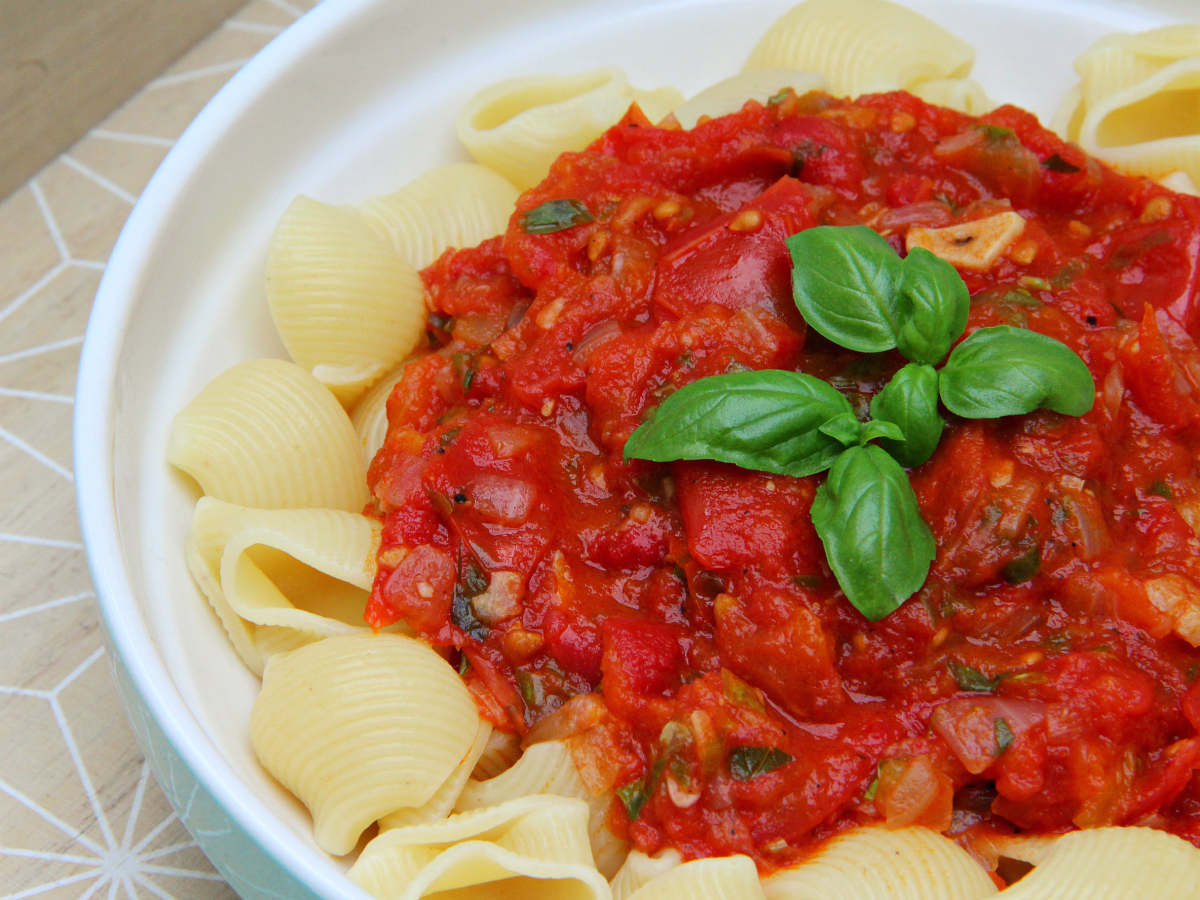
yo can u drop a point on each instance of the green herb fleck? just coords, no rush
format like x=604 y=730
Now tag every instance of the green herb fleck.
x=750 y=762
x=555 y=215
x=1004 y=735
x=776 y=99
x=968 y=678
x=1034 y=283
x=1161 y=489
x=1024 y=567
x=1055 y=163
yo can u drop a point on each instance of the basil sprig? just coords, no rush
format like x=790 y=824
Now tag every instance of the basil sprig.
x=555 y=215
x=855 y=290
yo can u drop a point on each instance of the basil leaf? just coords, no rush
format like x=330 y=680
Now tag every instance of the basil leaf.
x=1004 y=734
x=1024 y=567
x=750 y=762
x=634 y=795
x=555 y=215
x=1055 y=163
x=1006 y=371
x=971 y=679
x=877 y=544
x=463 y=616
x=844 y=428
x=935 y=303
x=767 y=420
x=910 y=400
x=881 y=429
x=846 y=282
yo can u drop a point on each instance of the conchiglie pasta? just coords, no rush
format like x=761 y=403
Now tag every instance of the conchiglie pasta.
x=718 y=878
x=369 y=416
x=266 y=434
x=883 y=864
x=964 y=94
x=442 y=803
x=640 y=869
x=531 y=848
x=457 y=205
x=730 y=95
x=862 y=46
x=547 y=768
x=520 y=126
x=345 y=725
x=287 y=576
x=1113 y=864
x=347 y=307
x=501 y=754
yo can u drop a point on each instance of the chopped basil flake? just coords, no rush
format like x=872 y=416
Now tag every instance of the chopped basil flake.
x=533 y=691
x=1004 y=735
x=555 y=215
x=971 y=679
x=1161 y=489
x=1024 y=567
x=872 y=788
x=634 y=795
x=1056 y=163
x=750 y=762
x=776 y=99
x=463 y=616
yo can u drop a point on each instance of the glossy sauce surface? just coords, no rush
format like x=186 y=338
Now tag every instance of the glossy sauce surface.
x=679 y=624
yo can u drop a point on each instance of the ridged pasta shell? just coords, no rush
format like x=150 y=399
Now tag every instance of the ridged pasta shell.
x=719 y=878
x=1113 y=864
x=862 y=46
x=547 y=768
x=345 y=725
x=532 y=848
x=369 y=416
x=730 y=95
x=883 y=864
x=520 y=126
x=640 y=869
x=501 y=754
x=442 y=803
x=457 y=205
x=964 y=94
x=266 y=434
x=347 y=307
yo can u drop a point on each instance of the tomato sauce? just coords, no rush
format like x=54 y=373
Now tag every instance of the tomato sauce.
x=679 y=624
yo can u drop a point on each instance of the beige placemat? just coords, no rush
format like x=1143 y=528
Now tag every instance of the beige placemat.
x=80 y=814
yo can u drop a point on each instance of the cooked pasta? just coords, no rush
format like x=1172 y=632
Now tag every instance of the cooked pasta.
x=531 y=848
x=442 y=803
x=716 y=878
x=344 y=724
x=640 y=869
x=882 y=864
x=457 y=205
x=862 y=46
x=290 y=576
x=518 y=127
x=964 y=94
x=547 y=768
x=731 y=94
x=369 y=416
x=266 y=434
x=347 y=307
x=1138 y=102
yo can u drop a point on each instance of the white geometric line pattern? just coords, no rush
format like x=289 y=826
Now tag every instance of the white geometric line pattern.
x=81 y=815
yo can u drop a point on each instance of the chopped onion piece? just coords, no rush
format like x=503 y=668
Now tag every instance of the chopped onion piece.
x=502 y=499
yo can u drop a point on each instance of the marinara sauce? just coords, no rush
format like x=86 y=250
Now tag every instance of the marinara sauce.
x=678 y=624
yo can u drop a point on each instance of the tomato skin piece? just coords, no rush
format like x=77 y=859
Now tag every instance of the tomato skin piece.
x=640 y=659
x=419 y=589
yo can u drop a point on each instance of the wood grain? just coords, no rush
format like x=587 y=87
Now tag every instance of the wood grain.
x=66 y=64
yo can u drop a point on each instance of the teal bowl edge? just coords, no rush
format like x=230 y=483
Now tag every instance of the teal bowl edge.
x=250 y=870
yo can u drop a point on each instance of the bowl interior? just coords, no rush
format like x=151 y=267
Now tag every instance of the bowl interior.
x=354 y=101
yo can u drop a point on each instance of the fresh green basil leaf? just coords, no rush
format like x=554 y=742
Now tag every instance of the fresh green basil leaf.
x=935 y=303
x=846 y=282
x=750 y=762
x=877 y=544
x=1004 y=734
x=1006 y=371
x=634 y=795
x=844 y=428
x=879 y=428
x=768 y=420
x=968 y=678
x=910 y=400
x=555 y=215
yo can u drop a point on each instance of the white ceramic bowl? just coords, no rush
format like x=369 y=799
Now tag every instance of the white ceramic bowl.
x=354 y=100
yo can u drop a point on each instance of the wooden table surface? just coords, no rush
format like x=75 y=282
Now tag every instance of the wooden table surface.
x=80 y=814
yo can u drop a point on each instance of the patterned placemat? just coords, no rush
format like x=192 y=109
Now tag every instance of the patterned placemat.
x=80 y=814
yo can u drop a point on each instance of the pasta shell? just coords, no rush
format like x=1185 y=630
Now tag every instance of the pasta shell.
x=964 y=94
x=1113 y=864
x=862 y=46
x=547 y=768
x=519 y=127
x=347 y=307
x=730 y=95
x=442 y=803
x=344 y=725
x=457 y=205
x=640 y=869
x=532 y=848
x=719 y=878
x=883 y=864
x=369 y=416
x=266 y=434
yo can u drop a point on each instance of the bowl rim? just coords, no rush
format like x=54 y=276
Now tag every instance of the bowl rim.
x=94 y=421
